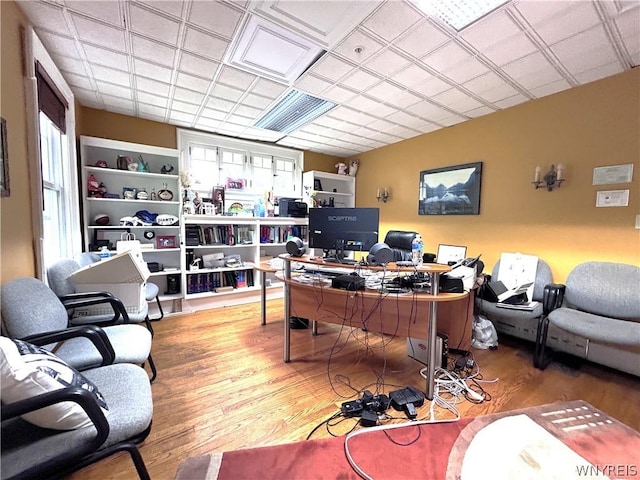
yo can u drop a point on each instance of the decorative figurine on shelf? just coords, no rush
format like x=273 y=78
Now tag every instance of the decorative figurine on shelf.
x=101 y=164
x=123 y=162
x=197 y=203
x=342 y=168
x=165 y=194
x=93 y=187
x=353 y=167
x=166 y=169
x=142 y=165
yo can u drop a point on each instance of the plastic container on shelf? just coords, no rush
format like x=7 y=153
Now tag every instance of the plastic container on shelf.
x=104 y=253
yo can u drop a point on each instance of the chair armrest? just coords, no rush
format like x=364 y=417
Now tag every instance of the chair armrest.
x=85 y=399
x=76 y=300
x=552 y=297
x=96 y=335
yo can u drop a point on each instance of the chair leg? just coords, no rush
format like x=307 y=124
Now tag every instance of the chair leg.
x=152 y=367
x=540 y=357
x=159 y=308
x=148 y=324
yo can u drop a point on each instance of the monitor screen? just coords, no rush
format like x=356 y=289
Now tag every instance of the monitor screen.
x=343 y=229
x=448 y=254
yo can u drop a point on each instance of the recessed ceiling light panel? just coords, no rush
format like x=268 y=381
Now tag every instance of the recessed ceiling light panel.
x=293 y=111
x=459 y=13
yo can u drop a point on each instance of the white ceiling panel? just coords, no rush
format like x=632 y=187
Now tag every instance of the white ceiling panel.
x=393 y=70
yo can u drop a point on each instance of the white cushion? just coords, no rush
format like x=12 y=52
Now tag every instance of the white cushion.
x=27 y=371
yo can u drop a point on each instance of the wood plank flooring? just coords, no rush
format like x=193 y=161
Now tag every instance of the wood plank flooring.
x=222 y=385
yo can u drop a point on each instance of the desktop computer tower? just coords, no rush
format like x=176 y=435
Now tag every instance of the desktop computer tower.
x=418 y=349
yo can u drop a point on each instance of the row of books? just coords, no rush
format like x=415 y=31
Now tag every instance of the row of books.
x=219 y=281
x=218 y=235
x=282 y=233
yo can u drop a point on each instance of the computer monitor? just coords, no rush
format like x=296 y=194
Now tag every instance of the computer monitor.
x=340 y=230
x=450 y=254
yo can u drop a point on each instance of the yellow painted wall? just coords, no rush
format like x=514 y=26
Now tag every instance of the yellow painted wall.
x=16 y=252
x=593 y=125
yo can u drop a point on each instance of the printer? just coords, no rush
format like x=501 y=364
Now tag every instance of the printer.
x=292 y=207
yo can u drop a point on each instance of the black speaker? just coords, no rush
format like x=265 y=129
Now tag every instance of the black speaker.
x=295 y=247
x=173 y=284
x=380 y=254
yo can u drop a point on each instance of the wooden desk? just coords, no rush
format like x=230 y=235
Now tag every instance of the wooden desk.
x=392 y=314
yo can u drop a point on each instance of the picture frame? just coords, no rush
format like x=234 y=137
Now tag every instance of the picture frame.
x=129 y=193
x=109 y=235
x=4 y=168
x=166 y=241
x=453 y=190
x=317 y=185
x=217 y=198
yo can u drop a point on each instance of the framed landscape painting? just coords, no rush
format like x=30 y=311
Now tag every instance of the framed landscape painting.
x=450 y=190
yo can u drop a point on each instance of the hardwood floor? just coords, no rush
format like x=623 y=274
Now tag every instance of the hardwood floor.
x=222 y=385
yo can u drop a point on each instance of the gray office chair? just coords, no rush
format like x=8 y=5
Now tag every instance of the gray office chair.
x=33 y=452
x=58 y=277
x=30 y=308
x=152 y=291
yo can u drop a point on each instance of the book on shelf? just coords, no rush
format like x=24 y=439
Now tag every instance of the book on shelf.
x=528 y=306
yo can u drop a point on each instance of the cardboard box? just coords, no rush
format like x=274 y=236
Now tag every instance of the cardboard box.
x=123 y=275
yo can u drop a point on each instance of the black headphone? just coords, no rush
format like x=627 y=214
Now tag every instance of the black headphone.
x=295 y=247
x=380 y=254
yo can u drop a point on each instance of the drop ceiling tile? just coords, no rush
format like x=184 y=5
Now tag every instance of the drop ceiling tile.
x=456 y=100
x=204 y=44
x=267 y=88
x=392 y=19
x=257 y=101
x=207 y=123
x=111 y=75
x=46 y=14
x=331 y=67
x=400 y=118
x=58 y=44
x=213 y=114
x=228 y=93
x=232 y=128
x=151 y=70
x=260 y=134
x=430 y=86
x=381 y=110
x=166 y=6
x=220 y=104
x=585 y=51
x=429 y=111
x=107 y=58
x=240 y=120
x=78 y=81
x=479 y=111
x=484 y=83
x=117 y=102
x=216 y=17
x=532 y=69
x=247 y=111
x=330 y=122
x=68 y=64
x=145 y=109
x=150 y=99
x=386 y=62
x=339 y=95
x=190 y=82
x=318 y=130
x=147 y=49
x=87 y=98
x=596 y=73
x=362 y=103
x=311 y=84
x=188 y=96
x=358 y=39
x=538 y=12
x=452 y=120
x=404 y=99
x=384 y=91
x=99 y=34
x=365 y=132
x=152 y=86
x=197 y=66
x=628 y=24
x=411 y=75
x=512 y=48
x=122 y=110
x=468 y=69
x=422 y=39
x=184 y=118
x=380 y=126
x=550 y=88
x=490 y=30
x=236 y=78
x=153 y=25
x=403 y=132
x=184 y=107
x=108 y=11
x=359 y=80
x=566 y=23
x=446 y=56
x=387 y=138
x=114 y=90
x=511 y=101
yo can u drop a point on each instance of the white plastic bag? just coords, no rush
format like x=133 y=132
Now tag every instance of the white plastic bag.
x=484 y=333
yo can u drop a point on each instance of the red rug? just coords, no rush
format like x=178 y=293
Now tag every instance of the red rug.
x=564 y=440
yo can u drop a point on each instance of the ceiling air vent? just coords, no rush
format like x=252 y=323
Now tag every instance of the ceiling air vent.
x=293 y=111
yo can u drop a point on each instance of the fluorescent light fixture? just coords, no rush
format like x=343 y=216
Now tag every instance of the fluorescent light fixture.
x=458 y=13
x=293 y=111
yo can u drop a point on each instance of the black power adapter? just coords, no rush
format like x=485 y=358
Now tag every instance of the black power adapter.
x=368 y=403
x=407 y=399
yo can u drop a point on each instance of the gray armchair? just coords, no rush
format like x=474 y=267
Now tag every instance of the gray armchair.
x=599 y=307
x=30 y=451
x=517 y=323
x=30 y=309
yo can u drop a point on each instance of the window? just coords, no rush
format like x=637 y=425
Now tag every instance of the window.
x=245 y=168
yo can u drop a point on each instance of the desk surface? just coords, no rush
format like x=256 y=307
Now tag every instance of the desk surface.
x=392 y=266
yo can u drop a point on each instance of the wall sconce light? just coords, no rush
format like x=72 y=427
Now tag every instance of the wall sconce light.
x=552 y=179
x=382 y=194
